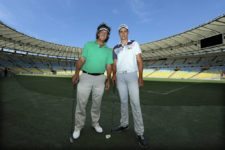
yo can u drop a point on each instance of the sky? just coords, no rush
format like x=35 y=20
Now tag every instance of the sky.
x=74 y=22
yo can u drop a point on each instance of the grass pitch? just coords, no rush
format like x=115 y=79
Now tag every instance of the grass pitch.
x=36 y=113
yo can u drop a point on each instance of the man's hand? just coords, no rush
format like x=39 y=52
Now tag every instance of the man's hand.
x=140 y=82
x=140 y=70
x=114 y=80
x=78 y=65
x=107 y=84
x=75 y=79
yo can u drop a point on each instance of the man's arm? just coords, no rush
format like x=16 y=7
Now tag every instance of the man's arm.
x=108 y=77
x=114 y=71
x=140 y=69
x=78 y=66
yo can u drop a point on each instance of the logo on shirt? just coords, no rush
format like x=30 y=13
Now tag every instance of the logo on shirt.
x=129 y=47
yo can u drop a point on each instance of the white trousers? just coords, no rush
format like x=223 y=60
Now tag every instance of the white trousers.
x=127 y=84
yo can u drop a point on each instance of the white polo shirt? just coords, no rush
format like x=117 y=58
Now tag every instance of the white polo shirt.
x=126 y=56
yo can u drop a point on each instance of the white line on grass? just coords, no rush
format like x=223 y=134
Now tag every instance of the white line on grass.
x=168 y=92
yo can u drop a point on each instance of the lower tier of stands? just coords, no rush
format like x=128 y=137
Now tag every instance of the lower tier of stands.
x=187 y=73
x=206 y=67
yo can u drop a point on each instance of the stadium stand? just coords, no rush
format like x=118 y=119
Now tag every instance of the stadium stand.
x=22 y=54
x=204 y=67
x=188 y=55
x=25 y=64
x=194 y=54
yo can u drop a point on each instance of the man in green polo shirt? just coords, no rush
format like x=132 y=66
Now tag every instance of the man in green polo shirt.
x=96 y=58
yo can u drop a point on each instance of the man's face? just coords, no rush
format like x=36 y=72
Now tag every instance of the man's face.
x=123 y=34
x=102 y=35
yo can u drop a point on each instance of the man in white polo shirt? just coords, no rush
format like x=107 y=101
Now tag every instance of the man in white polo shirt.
x=127 y=62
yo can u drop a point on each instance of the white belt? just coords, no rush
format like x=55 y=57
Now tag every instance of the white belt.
x=125 y=72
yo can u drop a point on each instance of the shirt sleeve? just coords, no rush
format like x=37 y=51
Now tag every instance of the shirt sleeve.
x=84 y=51
x=137 y=49
x=110 y=57
x=114 y=54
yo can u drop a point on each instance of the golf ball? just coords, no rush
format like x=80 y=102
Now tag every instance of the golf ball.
x=107 y=136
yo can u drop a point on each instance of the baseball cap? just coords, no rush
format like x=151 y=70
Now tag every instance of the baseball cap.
x=123 y=26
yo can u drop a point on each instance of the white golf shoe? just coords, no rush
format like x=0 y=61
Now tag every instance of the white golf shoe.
x=76 y=134
x=98 y=129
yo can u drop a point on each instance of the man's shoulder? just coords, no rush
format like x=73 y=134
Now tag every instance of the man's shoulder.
x=132 y=42
x=108 y=49
x=117 y=46
x=90 y=43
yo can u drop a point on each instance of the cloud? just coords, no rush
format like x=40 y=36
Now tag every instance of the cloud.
x=139 y=8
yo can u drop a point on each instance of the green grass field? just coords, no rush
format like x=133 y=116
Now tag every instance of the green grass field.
x=36 y=113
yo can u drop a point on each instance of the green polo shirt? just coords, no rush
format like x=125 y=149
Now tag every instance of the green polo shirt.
x=96 y=57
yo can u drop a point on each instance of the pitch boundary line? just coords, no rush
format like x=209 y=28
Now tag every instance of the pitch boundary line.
x=168 y=92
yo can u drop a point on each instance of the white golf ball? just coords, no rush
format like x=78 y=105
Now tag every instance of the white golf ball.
x=107 y=136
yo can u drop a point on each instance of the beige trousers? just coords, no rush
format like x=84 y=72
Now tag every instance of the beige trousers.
x=87 y=84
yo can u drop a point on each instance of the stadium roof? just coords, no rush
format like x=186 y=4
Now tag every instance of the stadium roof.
x=14 y=40
x=182 y=44
x=187 y=43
